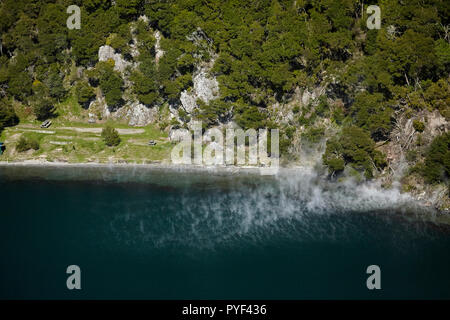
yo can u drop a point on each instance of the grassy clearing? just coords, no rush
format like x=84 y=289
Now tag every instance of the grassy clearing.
x=87 y=146
x=81 y=146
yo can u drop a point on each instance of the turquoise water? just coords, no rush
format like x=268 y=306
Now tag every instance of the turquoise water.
x=152 y=234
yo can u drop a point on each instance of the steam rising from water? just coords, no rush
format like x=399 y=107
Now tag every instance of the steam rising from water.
x=294 y=205
x=166 y=208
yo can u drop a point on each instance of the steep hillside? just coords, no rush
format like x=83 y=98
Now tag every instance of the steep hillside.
x=362 y=103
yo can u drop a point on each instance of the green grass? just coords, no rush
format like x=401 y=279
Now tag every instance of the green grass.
x=85 y=146
x=69 y=107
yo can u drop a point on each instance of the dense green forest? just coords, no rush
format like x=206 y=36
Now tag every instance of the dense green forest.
x=261 y=50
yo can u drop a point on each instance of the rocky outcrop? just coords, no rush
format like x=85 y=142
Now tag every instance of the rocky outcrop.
x=136 y=114
x=188 y=101
x=177 y=135
x=99 y=106
x=311 y=96
x=205 y=88
x=139 y=115
x=158 y=51
x=436 y=124
x=106 y=52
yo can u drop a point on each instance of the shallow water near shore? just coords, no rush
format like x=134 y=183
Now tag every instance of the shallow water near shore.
x=140 y=233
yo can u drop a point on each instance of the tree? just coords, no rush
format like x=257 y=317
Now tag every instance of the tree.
x=145 y=88
x=437 y=96
x=210 y=114
x=437 y=160
x=354 y=147
x=110 y=82
x=146 y=80
x=128 y=9
x=85 y=93
x=110 y=136
x=19 y=79
x=93 y=5
x=250 y=117
x=44 y=109
x=8 y=116
x=371 y=113
x=25 y=144
x=54 y=82
x=52 y=31
x=146 y=40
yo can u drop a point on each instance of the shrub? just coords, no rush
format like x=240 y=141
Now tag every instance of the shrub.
x=25 y=144
x=418 y=125
x=44 y=109
x=110 y=82
x=411 y=155
x=84 y=92
x=314 y=135
x=354 y=147
x=211 y=114
x=110 y=136
x=335 y=165
x=338 y=116
x=250 y=117
x=437 y=160
x=8 y=116
x=371 y=113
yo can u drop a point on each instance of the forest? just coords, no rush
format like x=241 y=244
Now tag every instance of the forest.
x=261 y=52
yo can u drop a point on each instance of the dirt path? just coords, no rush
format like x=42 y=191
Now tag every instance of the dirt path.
x=99 y=130
x=77 y=129
x=37 y=131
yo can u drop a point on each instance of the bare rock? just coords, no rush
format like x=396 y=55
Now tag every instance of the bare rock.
x=176 y=135
x=137 y=114
x=188 y=101
x=140 y=115
x=205 y=88
x=107 y=52
x=158 y=51
x=100 y=105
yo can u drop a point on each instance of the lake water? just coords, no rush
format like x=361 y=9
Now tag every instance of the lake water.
x=152 y=234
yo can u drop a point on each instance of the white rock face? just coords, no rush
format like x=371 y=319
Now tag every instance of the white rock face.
x=307 y=97
x=437 y=123
x=177 y=134
x=106 y=52
x=100 y=105
x=135 y=113
x=159 y=52
x=139 y=115
x=282 y=113
x=143 y=18
x=205 y=88
x=188 y=101
x=207 y=136
x=134 y=51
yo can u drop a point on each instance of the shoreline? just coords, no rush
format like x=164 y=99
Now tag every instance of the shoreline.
x=232 y=169
x=435 y=215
